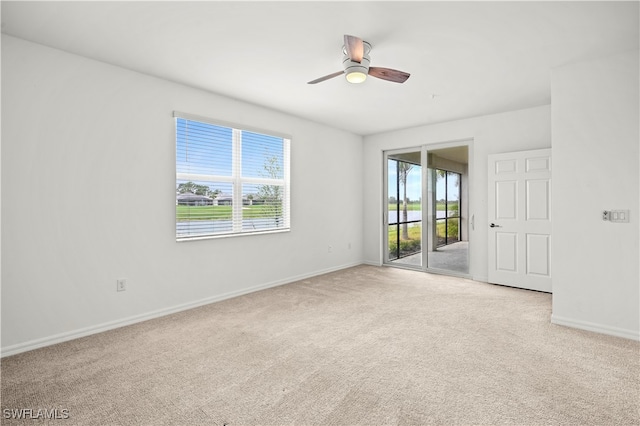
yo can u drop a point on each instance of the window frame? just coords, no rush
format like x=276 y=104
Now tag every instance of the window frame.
x=236 y=179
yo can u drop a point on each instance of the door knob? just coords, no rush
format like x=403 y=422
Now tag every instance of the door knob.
x=493 y=225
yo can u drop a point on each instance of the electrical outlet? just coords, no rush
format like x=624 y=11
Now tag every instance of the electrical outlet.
x=121 y=284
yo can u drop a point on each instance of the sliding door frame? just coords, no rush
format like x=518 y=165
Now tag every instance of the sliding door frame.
x=385 y=203
x=427 y=203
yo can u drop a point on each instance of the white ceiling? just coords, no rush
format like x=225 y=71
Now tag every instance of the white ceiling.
x=476 y=57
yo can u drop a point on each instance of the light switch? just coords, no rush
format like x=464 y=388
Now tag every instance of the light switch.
x=619 y=216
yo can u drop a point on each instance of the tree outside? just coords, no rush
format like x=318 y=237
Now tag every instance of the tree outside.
x=194 y=188
x=403 y=172
x=271 y=195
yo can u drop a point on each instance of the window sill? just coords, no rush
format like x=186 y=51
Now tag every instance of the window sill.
x=242 y=234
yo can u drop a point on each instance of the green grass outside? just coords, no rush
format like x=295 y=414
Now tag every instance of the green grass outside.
x=452 y=231
x=453 y=206
x=415 y=232
x=409 y=246
x=410 y=206
x=188 y=213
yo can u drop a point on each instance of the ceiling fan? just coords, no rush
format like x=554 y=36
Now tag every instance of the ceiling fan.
x=356 y=61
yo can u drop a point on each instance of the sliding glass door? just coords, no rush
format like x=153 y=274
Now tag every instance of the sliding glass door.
x=404 y=208
x=424 y=220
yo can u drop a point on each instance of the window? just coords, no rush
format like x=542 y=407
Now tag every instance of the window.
x=229 y=181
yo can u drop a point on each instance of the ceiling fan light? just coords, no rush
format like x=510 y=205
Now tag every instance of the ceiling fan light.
x=356 y=77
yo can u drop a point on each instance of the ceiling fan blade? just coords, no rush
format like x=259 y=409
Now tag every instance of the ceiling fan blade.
x=355 y=48
x=389 y=74
x=326 y=77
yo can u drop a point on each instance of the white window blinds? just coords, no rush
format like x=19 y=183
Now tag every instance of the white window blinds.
x=229 y=180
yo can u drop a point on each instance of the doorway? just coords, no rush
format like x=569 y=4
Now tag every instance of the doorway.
x=519 y=213
x=426 y=208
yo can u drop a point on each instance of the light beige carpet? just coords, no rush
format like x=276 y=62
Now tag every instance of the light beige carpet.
x=363 y=346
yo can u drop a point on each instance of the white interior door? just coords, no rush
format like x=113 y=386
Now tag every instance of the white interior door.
x=519 y=202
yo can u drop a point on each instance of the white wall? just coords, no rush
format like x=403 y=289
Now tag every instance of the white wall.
x=88 y=196
x=512 y=131
x=596 y=167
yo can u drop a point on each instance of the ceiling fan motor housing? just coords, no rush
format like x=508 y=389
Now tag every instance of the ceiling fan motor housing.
x=353 y=66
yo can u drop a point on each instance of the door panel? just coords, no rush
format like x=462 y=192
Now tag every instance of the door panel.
x=540 y=164
x=538 y=254
x=506 y=197
x=519 y=200
x=505 y=166
x=506 y=251
x=404 y=208
x=537 y=199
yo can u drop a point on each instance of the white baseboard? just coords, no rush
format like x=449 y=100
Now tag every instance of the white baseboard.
x=99 y=328
x=598 y=328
